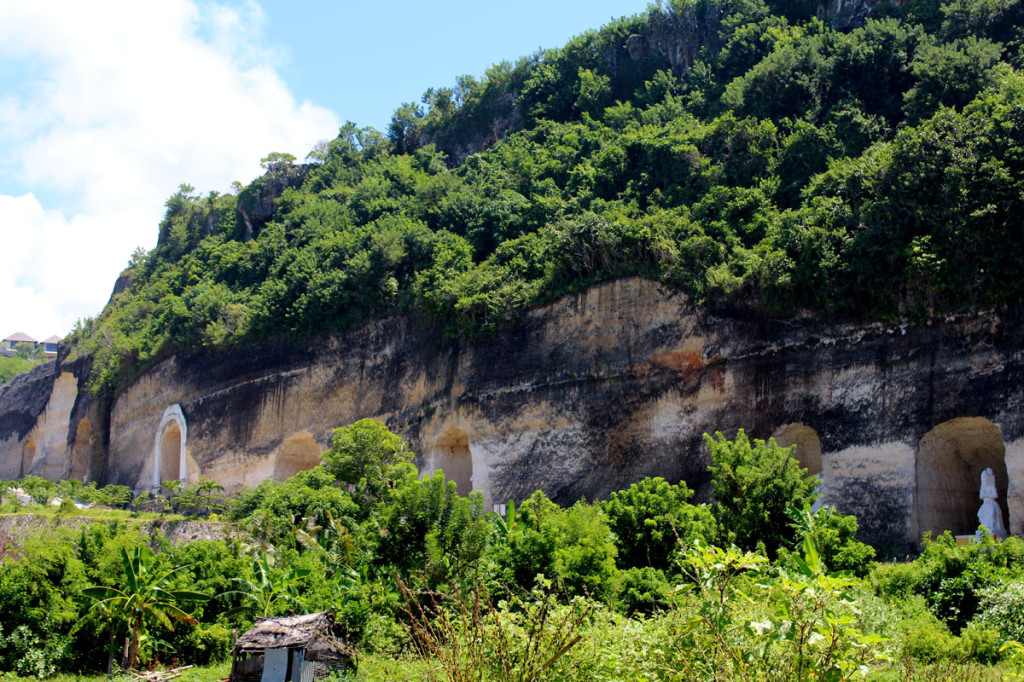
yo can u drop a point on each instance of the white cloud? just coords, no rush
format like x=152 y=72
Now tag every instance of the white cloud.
x=127 y=100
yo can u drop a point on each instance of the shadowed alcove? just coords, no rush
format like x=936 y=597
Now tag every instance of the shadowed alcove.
x=81 y=450
x=451 y=453
x=297 y=452
x=950 y=459
x=170 y=453
x=169 y=462
x=808 y=445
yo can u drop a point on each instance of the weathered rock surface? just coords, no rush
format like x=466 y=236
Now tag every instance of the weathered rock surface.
x=48 y=426
x=596 y=391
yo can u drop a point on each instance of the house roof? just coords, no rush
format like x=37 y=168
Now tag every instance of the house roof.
x=20 y=337
x=286 y=631
x=52 y=339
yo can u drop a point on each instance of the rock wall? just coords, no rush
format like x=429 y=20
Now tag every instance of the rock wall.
x=598 y=390
x=46 y=423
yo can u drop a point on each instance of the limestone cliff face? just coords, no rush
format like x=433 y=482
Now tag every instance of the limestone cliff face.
x=47 y=423
x=591 y=393
x=604 y=387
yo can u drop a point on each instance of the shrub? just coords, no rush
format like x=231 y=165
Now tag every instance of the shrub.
x=574 y=546
x=753 y=486
x=205 y=643
x=979 y=643
x=651 y=518
x=1001 y=606
x=896 y=582
x=925 y=638
x=643 y=590
x=833 y=536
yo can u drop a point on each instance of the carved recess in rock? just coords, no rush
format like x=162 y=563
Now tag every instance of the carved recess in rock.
x=297 y=452
x=808 y=445
x=451 y=453
x=950 y=460
x=170 y=463
x=81 y=450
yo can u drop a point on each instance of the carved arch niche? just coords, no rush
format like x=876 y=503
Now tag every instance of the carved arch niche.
x=948 y=466
x=81 y=450
x=451 y=453
x=296 y=453
x=808 y=445
x=169 y=459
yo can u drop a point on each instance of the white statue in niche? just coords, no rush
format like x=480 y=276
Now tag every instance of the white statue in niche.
x=990 y=515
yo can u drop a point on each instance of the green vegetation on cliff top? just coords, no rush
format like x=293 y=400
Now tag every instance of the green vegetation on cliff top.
x=743 y=152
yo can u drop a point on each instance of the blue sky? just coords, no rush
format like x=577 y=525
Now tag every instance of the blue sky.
x=106 y=107
x=362 y=60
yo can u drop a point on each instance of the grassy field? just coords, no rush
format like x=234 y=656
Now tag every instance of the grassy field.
x=210 y=673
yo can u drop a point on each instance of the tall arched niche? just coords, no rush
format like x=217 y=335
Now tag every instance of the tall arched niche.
x=451 y=453
x=808 y=445
x=950 y=459
x=81 y=450
x=169 y=459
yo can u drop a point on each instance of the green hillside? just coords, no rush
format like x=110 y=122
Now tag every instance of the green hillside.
x=744 y=152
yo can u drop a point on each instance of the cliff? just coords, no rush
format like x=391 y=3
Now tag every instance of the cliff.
x=582 y=398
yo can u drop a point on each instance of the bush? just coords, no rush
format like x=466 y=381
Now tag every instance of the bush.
x=1002 y=607
x=753 y=486
x=204 y=644
x=573 y=546
x=979 y=643
x=953 y=577
x=652 y=518
x=833 y=536
x=925 y=638
x=644 y=590
x=896 y=582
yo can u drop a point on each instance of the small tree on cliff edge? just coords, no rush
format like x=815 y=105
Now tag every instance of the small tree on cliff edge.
x=367 y=456
x=753 y=486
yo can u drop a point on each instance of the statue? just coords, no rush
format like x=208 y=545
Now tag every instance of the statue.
x=990 y=515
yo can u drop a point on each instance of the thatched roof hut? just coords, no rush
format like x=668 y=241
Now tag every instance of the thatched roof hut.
x=290 y=649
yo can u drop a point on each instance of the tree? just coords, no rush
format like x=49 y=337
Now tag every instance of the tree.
x=39 y=489
x=371 y=458
x=277 y=162
x=573 y=546
x=652 y=518
x=146 y=595
x=403 y=131
x=270 y=588
x=429 y=526
x=26 y=350
x=753 y=486
x=116 y=496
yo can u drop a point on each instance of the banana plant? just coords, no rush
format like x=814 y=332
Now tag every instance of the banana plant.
x=147 y=595
x=269 y=588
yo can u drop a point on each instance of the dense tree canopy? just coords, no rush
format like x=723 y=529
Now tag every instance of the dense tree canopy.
x=740 y=150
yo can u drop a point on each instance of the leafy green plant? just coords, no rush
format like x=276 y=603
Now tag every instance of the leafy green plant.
x=371 y=458
x=754 y=484
x=267 y=591
x=147 y=594
x=651 y=518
